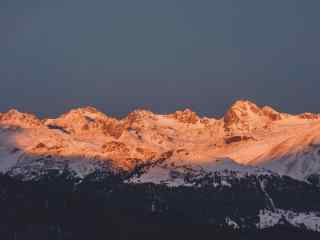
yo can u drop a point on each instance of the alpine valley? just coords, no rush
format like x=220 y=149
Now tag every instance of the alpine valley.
x=254 y=169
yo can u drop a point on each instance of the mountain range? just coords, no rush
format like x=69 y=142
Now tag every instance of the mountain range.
x=271 y=156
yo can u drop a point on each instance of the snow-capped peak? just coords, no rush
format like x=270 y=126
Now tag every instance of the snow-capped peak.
x=84 y=112
x=244 y=116
x=87 y=120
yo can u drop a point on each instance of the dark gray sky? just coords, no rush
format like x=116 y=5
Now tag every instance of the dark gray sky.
x=161 y=55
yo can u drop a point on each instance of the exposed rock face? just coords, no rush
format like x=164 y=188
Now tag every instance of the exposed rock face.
x=186 y=116
x=146 y=153
x=235 y=139
x=243 y=117
x=114 y=128
x=114 y=146
x=87 y=120
x=18 y=119
x=272 y=114
x=311 y=116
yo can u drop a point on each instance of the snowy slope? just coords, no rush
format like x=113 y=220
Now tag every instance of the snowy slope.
x=309 y=220
x=223 y=171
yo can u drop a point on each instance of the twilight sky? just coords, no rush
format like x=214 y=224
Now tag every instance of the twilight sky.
x=163 y=55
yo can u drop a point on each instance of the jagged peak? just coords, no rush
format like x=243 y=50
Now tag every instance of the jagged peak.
x=15 y=117
x=86 y=120
x=83 y=112
x=138 y=115
x=185 y=116
x=13 y=112
x=246 y=110
x=244 y=116
x=89 y=109
x=244 y=105
x=241 y=110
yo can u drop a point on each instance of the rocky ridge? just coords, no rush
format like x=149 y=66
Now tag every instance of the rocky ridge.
x=247 y=134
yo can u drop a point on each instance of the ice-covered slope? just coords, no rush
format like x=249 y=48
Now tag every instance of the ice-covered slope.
x=85 y=139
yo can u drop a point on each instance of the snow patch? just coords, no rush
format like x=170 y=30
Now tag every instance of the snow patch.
x=309 y=220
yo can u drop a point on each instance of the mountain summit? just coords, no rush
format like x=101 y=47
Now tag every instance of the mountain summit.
x=243 y=117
